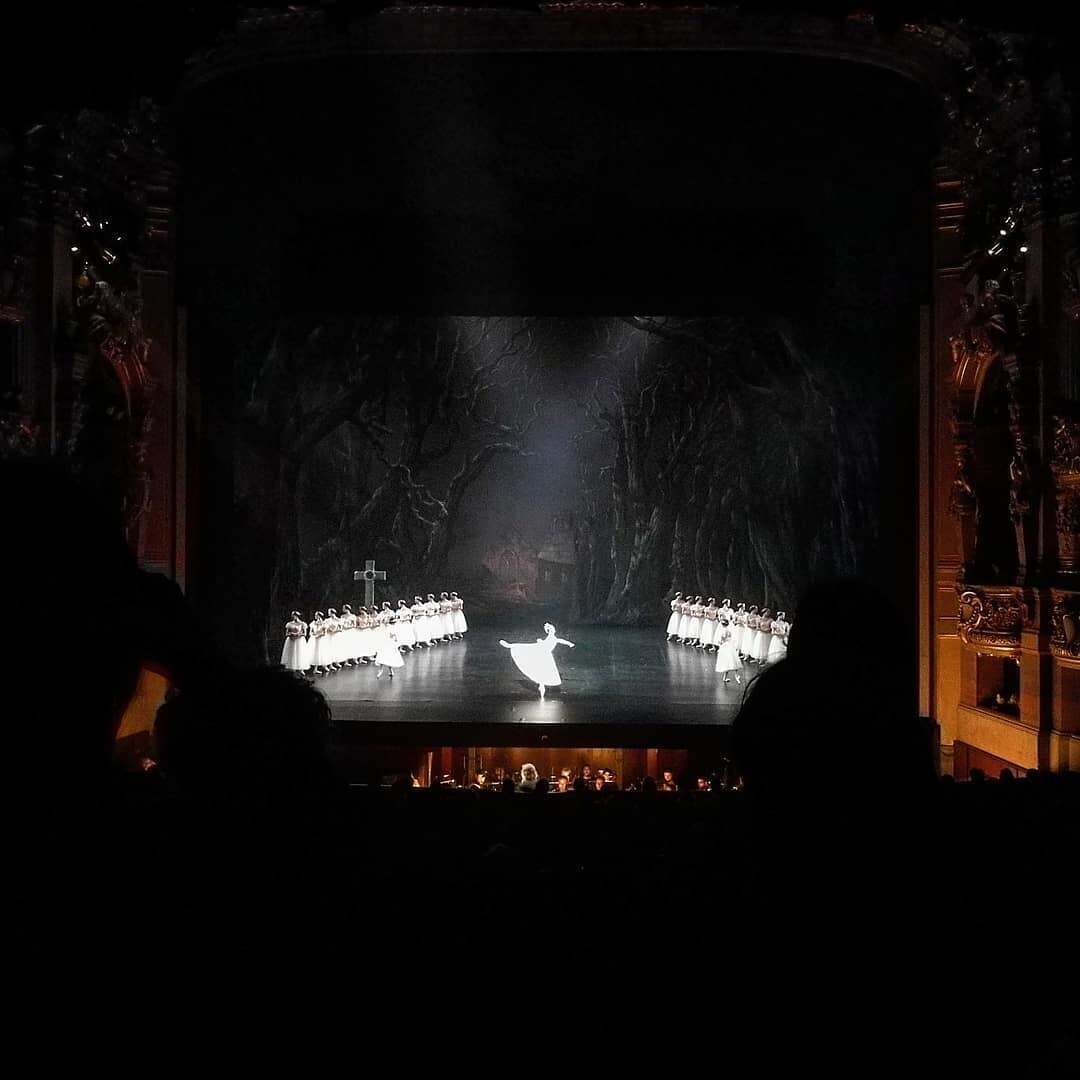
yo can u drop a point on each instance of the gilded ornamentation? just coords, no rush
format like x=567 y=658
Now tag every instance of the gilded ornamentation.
x=1065 y=625
x=991 y=618
x=1068 y=522
x=962 y=496
x=1065 y=462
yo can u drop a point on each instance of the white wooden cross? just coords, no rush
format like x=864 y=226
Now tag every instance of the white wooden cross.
x=369 y=575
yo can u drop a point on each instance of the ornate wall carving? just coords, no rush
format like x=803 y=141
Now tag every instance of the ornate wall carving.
x=1065 y=625
x=992 y=618
x=1065 y=466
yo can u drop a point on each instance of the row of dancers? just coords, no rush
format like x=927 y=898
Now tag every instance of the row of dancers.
x=331 y=641
x=739 y=636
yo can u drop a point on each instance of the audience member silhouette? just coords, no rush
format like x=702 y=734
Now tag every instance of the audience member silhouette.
x=837 y=767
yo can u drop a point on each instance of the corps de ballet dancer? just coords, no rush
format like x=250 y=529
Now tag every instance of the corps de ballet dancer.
x=403 y=628
x=676 y=616
x=536 y=660
x=332 y=635
x=738 y=624
x=759 y=647
x=421 y=629
x=780 y=630
x=693 y=634
x=295 y=648
x=388 y=655
x=750 y=632
x=709 y=624
x=431 y=612
x=348 y=637
x=727 y=656
x=446 y=617
x=461 y=627
x=315 y=646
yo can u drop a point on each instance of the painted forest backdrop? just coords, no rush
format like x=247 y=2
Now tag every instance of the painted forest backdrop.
x=714 y=455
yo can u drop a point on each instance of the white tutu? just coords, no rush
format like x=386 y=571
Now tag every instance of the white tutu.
x=420 y=626
x=777 y=649
x=673 y=624
x=684 y=625
x=727 y=657
x=434 y=627
x=693 y=629
x=318 y=651
x=369 y=641
x=293 y=654
x=446 y=622
x=762 y=641
x=405 y=633
x=388 y=654
x=460 y=625
x=708 y=631
x=536 y=662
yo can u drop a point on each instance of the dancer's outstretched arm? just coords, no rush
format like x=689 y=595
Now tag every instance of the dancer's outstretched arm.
x=563 y=641
x=504 y=644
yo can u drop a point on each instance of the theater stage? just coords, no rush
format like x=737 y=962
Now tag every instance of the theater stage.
x=624 y=686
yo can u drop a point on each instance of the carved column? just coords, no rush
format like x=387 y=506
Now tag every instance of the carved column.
x=962 y=501
x=1024 y=468
x=1065 y=467
x=157 y=541
x=949 y=463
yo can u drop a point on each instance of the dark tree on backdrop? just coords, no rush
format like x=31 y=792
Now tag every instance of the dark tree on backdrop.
x=365 y=436
x=729 y=462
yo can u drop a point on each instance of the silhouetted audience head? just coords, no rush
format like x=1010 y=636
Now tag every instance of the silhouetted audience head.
x=259 y=733
x=69 y=547
x=837 y=717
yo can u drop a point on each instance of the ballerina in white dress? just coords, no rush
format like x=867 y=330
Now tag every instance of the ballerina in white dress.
x=738 y=628
x=780 y=629
x=446 y=617
x=421 y=631
x=374 y=636
x=763 y=639
x=403 y=627
x=389 y=654
x=709 y=625
x=315 y=644
x=536 y=661
x=676 y=616
x=727 y=656
x=461 y=627
x=347 y=637
x=750 y=633
x=294 y=650
x=435 y=628
x=693 y=632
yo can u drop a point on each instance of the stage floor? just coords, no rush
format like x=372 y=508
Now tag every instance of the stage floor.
x=614 y=676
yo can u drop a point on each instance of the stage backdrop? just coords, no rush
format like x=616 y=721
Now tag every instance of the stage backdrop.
x=589 y=466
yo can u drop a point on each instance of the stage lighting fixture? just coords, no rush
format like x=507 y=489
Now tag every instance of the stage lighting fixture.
x=74 y=248
x=1023 y=249
x=109 y=257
